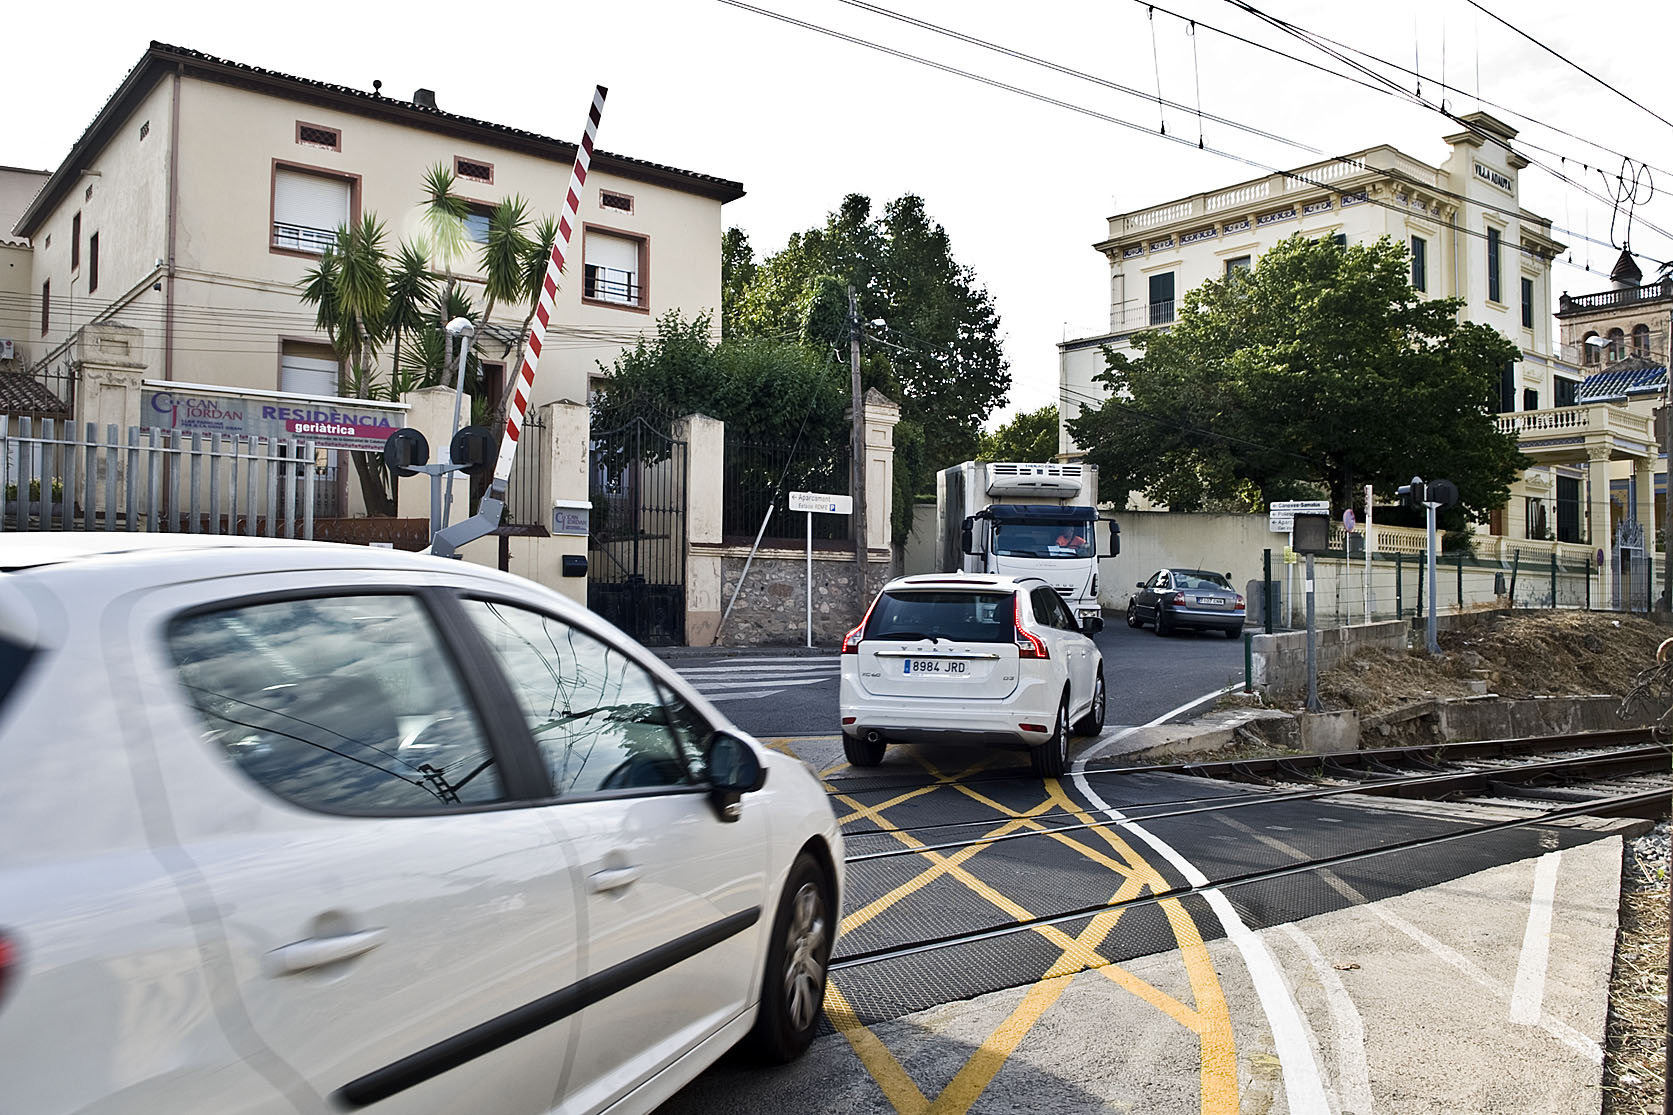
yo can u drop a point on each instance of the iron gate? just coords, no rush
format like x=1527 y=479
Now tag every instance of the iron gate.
x=636 y=544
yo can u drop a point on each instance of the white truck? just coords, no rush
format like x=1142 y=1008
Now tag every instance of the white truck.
x=1026 y=520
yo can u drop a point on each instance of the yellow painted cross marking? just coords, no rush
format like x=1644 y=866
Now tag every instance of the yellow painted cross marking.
x=1209 y=1019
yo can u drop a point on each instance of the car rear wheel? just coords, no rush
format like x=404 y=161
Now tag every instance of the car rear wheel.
x=1164 y=626
x=793 y=988
x=1052 y=756
x=1234 y=632
x=1093 y=722
x=862 y=753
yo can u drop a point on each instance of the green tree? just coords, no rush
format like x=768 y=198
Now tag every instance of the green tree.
x=737 y=271
x=1030 y=437
x=937 y=347
x=1320 y=369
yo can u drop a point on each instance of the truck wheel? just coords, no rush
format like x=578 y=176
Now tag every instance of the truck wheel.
x=1093 y=722
x=1052 y=756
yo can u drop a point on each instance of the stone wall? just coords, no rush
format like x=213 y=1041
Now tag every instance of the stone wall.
x=772 y=607
x=1280 y=660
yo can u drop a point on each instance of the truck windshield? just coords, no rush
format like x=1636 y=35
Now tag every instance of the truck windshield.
x=1043 y=540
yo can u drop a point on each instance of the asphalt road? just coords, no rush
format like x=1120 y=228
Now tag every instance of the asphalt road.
x=793 y=692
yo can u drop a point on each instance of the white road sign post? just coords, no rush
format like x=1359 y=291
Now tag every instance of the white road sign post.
x=817 y=503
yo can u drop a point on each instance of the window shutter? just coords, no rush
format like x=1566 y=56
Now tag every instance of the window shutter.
x=308 y=375
x=309 y=202
x=613 y=252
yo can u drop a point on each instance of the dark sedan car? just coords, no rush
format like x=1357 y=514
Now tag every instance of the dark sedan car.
x=1178 y=598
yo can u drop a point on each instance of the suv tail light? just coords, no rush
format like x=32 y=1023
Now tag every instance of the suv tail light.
x=851 y=641
x=9 y=963
x=1029 y=645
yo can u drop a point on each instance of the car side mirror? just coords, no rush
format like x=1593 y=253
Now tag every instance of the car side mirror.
x=734 y=770
x=1092 y=626
x=1139 y=585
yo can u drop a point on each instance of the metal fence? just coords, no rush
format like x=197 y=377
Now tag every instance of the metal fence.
x=752 y=481
x=156 y=481
x=525 y=492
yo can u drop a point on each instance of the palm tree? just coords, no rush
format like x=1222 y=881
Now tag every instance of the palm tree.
x=349 y=289
x=412 y=289
x=444 y=217
x=505 y=253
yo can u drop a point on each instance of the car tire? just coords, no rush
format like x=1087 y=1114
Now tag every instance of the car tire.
x=1093 y=722
x=1234 y=632
x=798 y=954
x=1051 y=757
x=1164 y=626
x=1133 y=619
x=860 y=753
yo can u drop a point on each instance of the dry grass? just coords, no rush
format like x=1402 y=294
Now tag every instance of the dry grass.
x=1634 y=1062
x=1549 y=654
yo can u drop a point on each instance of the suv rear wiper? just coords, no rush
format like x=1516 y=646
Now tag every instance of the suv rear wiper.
x=908 y=635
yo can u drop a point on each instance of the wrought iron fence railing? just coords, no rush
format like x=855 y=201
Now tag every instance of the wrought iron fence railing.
x=752 y=478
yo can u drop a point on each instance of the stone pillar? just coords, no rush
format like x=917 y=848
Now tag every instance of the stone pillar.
x=881 y=418
x=1600 y=532
x=109 y=373
x=1644 y=485
x=568 y=438
x=431 y=414
x=705 y=449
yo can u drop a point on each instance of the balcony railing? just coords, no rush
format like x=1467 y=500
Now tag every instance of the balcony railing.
x=607 y=284
x=1615 y=299
x=1599 y=417
x=301 y=238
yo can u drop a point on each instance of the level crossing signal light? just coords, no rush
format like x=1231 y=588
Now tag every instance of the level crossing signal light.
x=1417 y=493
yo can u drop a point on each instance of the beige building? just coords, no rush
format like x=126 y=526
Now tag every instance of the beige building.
x=1469 y=238
x=204 y=190
x=1621 y=337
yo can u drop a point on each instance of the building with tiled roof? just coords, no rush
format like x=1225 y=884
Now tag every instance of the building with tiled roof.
x=173 y=236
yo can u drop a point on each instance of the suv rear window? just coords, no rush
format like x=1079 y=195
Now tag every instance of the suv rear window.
x=966 y=617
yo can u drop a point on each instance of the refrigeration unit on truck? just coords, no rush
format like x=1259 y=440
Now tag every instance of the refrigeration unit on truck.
x=1033 y=520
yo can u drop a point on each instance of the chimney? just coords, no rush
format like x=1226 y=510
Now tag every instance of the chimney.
x=424 y=98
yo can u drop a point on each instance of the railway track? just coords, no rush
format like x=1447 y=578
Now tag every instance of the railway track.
x=1548 y=784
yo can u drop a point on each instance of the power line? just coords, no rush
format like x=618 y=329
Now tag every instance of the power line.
x=1130 y=125
x=1569 y=61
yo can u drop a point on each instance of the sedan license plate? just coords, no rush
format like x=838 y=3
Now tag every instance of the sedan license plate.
x=1211 y=601
x=934 y=666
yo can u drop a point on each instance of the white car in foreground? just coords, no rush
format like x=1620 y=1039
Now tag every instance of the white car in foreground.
x=970 y=658
x=298 y=827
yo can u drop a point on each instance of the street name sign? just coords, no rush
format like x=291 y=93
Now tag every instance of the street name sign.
x=1280 y=516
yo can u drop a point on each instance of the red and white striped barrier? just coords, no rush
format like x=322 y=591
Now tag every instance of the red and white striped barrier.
x=523 y=387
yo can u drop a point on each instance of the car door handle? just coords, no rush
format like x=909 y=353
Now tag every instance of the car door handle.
x=613 y=878
x=316 y=952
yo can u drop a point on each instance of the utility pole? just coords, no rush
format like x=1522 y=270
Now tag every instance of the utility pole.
x=857 y=452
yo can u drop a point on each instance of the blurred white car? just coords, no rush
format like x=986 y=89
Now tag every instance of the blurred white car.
x=970 y=658
x=298 y=827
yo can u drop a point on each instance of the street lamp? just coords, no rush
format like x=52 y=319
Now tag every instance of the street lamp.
x=461 y=329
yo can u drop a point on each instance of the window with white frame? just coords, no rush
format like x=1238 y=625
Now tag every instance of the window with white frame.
x=613 y=265
x=307 y=209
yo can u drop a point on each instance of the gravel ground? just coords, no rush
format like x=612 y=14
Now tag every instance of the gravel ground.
x=1635 y=1061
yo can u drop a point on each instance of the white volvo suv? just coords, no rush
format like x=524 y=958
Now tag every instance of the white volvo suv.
x=970 y=658
x=298 y=827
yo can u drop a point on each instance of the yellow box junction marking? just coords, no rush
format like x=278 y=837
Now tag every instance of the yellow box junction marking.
x=1210 y=1019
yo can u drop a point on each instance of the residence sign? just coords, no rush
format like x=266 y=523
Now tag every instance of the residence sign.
x=821 y=503
x=330 y=423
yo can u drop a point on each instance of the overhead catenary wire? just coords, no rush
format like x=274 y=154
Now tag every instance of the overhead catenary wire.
x=1510 y=213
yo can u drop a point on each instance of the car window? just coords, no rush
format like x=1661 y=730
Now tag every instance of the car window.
x=1060 y=612
x=1045 y=607
x=966 y=617
x=600 y=719
x=347 y=704
x=1202 y=581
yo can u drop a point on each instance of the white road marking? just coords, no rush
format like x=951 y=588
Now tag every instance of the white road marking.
x=1110 y=740
x=1529 y=992
x=1303 y=1087
x=1353 y=1072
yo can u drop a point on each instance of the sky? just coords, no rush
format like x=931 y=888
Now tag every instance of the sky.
x=1024 y=188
